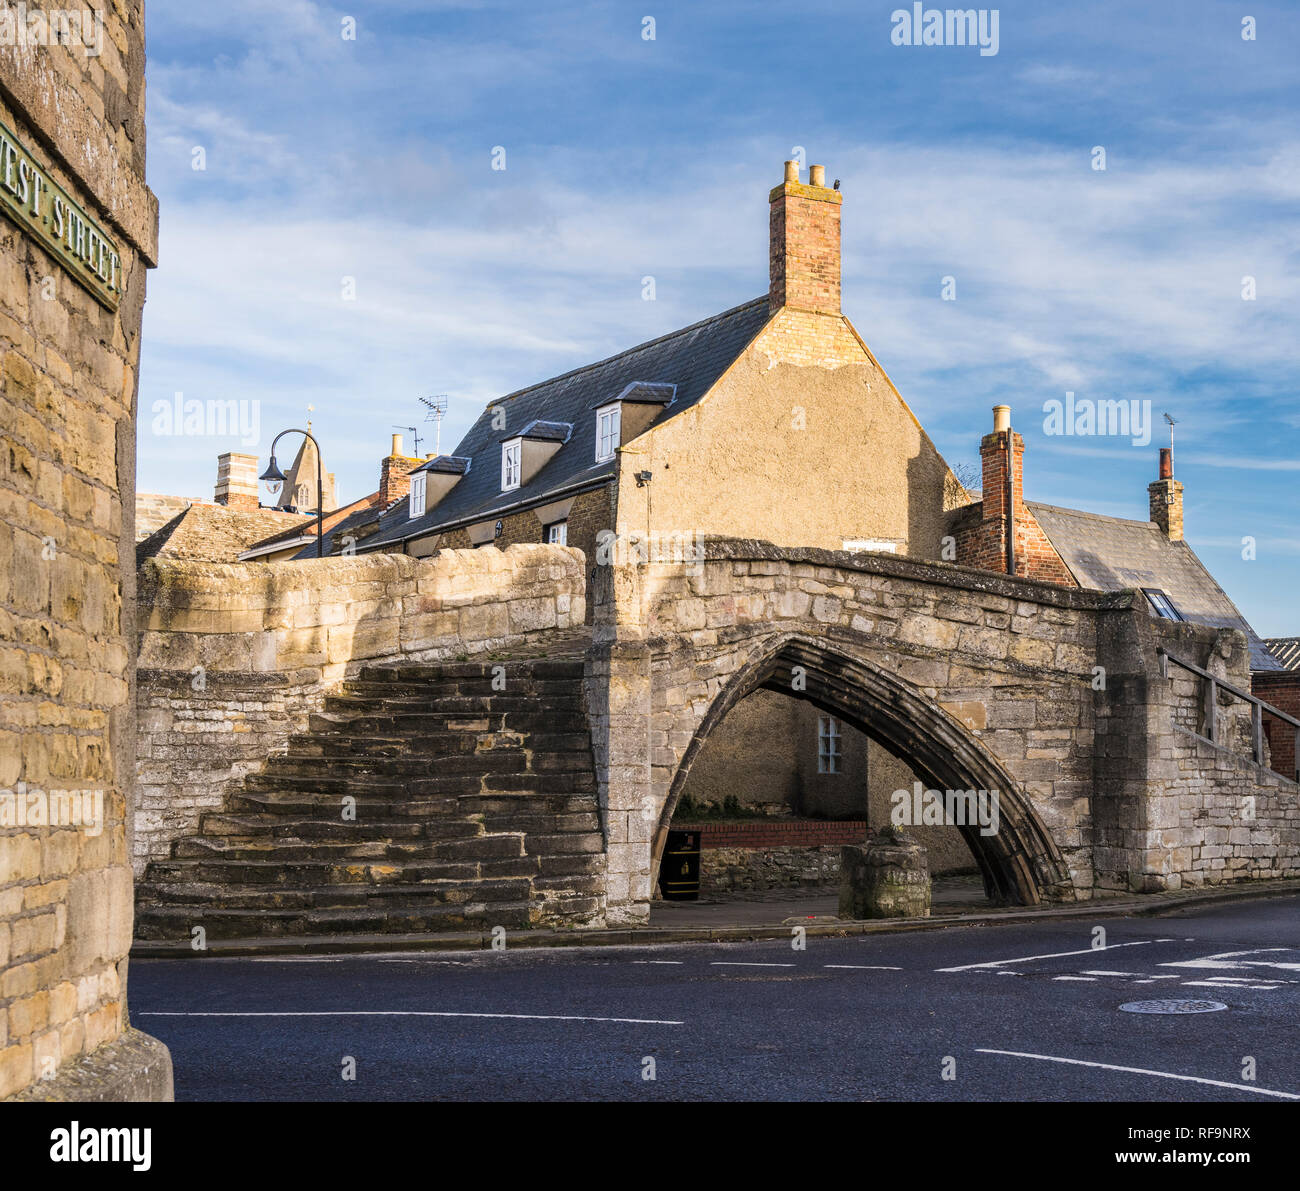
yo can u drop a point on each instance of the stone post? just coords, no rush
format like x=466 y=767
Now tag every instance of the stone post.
x=888 y=877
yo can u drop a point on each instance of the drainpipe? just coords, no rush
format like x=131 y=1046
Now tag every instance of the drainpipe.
x=1002 y=424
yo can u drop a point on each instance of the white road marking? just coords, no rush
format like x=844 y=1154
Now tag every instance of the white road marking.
x=735 y=963
x=1091 y=972
x=1228 y=960
x=635 y=1021
x=1214 y=1083
x=1223 y=987
x=863 y=967
x=1084 y=979
x=1024 y=959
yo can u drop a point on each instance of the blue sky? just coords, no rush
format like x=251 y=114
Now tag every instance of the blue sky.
x=371 y=159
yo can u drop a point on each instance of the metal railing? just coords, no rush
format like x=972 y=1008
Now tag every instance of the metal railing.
x=1258 y=708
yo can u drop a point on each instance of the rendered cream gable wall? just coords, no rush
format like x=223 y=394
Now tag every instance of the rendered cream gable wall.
x=802 y=442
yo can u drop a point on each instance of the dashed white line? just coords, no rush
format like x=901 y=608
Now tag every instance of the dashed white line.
x=1214 y=1083
x=1084 y=979
x=863 y=967
x=735 y=963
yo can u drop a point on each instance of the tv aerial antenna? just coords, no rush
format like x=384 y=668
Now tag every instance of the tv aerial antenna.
x=437 y=407
x=415 y=433
x=1172 y=423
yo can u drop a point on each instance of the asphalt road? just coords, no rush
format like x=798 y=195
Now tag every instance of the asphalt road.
x=1025 y=1012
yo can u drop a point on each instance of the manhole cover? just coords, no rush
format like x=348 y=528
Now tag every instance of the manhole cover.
x=1172 y=1007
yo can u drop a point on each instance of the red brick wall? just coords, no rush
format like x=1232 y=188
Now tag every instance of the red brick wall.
x=980 y=530
x=1283 y=691
x=395 y=478
x=778 y=833
x=804 y=248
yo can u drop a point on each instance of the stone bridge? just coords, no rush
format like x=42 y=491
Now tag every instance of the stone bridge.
x=1053 y=697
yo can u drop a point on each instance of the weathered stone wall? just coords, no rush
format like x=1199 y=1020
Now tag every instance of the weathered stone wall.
x=1214 y=815
x=775 y=867
x=1052 y=696
x=67 y=494
x=233 y=659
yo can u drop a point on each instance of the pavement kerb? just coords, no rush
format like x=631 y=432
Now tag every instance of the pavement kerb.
x=1150 y=905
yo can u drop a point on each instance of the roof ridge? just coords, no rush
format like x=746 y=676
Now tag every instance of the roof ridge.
x=1038 y=504
x=627 y=352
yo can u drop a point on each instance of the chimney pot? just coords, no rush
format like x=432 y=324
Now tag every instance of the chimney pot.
x=817 y=175
x=792 y=171
x=1001 y=418
x=397 y=444
x=1166 y=463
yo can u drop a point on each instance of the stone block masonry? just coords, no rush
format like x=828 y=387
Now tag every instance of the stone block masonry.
x=67 y=578
x=234 y=659
x=1051 y=696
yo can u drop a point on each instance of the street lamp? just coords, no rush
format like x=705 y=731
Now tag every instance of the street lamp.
x=273 y=478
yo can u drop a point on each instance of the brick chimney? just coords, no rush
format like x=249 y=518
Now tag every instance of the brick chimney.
x=1002 y=453
x=395 y=474
x=804 y=247
x=237 y=481
x=1166 y=496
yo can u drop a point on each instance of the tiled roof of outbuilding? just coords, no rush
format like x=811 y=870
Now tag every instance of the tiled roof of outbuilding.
x=1110 y=554
x=1286 y=650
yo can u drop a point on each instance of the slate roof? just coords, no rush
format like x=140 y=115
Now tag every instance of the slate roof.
x=1110 y=554
x=547 y=431
x=214 y=533
x=446 y=464
x=1286 y=650
x=692 y=359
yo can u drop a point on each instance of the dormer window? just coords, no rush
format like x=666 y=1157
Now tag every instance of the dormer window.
x=511 y=464
x=607 y=432
x=417 y=495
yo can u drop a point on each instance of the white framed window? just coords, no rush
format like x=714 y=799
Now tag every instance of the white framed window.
x=417 y=495
x=557 y=533
x=828 y=744
x=511 y=455
x=607 y=432
x=854 y=545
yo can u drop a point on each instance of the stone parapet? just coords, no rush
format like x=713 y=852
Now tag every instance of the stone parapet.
x=235 y=658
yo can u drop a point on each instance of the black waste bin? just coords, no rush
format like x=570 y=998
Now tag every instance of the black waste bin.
x=679 y=872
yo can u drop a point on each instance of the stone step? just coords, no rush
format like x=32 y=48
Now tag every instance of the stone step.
x=300 y=873
x=200 y=896
x=374 y=703
x=288 y=849
x=400 y=724
x=474 y=807
x=323 y=806
x=166 y=923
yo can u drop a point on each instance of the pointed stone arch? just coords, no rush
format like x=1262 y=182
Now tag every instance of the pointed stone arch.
x=1020 y=863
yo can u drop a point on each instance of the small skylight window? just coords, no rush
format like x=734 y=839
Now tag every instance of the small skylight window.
x=1163 y=605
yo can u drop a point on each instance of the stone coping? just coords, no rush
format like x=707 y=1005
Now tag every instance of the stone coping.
x=946 y=574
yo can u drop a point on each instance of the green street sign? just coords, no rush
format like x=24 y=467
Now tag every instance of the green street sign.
x=39 y=205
